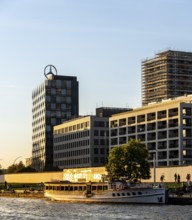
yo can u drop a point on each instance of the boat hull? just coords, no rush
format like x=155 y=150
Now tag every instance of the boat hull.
x=140 y=196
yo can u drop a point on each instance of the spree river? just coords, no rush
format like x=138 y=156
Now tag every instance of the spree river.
x=22 y=208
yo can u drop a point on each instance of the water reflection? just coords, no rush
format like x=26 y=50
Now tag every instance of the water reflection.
x=18 y=208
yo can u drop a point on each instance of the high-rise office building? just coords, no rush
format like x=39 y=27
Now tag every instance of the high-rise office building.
x=167 y=75
x=54 y=101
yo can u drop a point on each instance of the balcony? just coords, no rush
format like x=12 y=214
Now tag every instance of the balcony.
x=151 y=136
x=114 y=124
x=122 y=122
x=140 y=128
x=131 y=129
x=151 y=126
x=161 y=114
x=162 y=145
x=131 y=120
x=141 y=137
x=173 y=112
x=140 y=118
x=173 y=133
x=162 y=134
x=151 y=116
x=122 y=131
x=173 y=144
x=173 y=123
x=162 y=124
x=151 y=146
x=114 y=132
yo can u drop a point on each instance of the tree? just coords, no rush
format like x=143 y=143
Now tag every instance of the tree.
x=130 y=161
x=19 y=168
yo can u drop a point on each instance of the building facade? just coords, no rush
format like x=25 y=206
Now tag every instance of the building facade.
x=165 y=128
x=81 y=142
x=53 y=102
x=167 y=75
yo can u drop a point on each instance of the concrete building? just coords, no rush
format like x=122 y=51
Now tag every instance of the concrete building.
x=81 y=142
x=165 y=128
x=167 y=75
x=54 y=101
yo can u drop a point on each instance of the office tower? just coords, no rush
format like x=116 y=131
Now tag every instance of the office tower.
x=167 y=75
x=54 y=101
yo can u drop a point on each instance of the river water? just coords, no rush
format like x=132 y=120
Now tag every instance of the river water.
x=22 y=208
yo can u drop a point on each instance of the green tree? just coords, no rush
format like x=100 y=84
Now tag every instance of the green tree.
x=130 y=161
x=16 y=168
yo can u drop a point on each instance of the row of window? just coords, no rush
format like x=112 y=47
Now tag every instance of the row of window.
x=84 y=125
x=74 y=144
x=142 y=118
x=71 y=162
x=154 y=135
x=71 y=153
x=152 y=145
x=71 y=136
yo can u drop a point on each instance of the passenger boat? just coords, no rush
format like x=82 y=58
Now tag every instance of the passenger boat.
x=102 y=192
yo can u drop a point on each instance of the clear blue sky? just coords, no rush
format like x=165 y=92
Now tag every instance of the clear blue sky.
x=102 y=42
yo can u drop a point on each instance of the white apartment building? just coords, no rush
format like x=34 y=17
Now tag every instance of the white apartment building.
x=165 y=128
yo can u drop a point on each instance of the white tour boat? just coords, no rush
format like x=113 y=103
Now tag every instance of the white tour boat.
x=102 y=192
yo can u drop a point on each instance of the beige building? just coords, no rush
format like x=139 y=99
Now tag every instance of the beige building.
x=165 y=128
x=81 y=142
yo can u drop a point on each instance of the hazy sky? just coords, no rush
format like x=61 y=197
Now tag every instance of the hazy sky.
x=102 y=42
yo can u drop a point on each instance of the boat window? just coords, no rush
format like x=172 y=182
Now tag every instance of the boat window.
x=128 y=194
x=123 y=194
x=113 y=194
x=139 y=193
x=54 y=188
x=94 y=187
x=105 y=188
x=118 y=194
x=133 y=193
x=62 y=187
x=66 y=188
x=75 y=188
x=71 y=188
x=99 y=188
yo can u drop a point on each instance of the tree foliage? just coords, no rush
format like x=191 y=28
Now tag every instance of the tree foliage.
x=130 y=161
x=19 y=168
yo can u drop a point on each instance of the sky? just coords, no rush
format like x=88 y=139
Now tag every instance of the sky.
x=102 y=42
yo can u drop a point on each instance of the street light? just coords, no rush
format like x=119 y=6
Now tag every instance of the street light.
x=154 y=166
x=16 y=159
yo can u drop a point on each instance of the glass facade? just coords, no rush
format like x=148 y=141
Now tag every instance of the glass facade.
x=54 y=101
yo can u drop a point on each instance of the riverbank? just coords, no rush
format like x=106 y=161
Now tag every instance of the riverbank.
x=24 y=194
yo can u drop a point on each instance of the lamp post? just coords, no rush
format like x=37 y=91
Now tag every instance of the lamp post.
x=16 y=159
x=154 y=166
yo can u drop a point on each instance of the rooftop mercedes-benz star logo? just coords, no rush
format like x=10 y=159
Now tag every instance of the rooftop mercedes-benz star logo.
x=50 y=70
